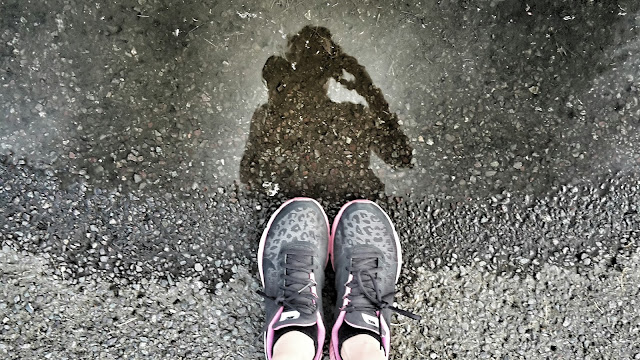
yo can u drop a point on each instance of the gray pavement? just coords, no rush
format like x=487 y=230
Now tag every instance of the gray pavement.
x=144 y=145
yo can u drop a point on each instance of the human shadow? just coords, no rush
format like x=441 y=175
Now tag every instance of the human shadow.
x=301 y=143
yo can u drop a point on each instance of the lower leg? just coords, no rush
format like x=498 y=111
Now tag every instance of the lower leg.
x=294 y=345
x=361 y=347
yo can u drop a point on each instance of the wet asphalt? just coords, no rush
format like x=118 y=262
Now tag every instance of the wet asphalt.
x=144 y=145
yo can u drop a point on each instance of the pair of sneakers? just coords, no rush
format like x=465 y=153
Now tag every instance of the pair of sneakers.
x=365 y=253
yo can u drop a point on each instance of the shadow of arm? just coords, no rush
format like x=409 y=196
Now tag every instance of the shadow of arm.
x=391 y=144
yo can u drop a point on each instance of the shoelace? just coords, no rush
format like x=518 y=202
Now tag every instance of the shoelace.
x=361 y=298
x=296 y=280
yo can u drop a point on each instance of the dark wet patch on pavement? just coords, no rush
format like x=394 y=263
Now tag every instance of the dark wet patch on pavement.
x=491 y=98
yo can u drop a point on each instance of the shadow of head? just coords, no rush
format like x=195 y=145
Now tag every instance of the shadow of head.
x=311 y=59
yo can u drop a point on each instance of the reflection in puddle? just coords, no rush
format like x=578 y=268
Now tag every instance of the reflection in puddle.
x=303 y=143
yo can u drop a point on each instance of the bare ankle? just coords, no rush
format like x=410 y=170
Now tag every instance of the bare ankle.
x=361 y=347
x=294 y=345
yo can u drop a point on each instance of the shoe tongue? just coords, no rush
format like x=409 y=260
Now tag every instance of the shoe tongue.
x=363 y=320
x=367 y=319
x=294 y=318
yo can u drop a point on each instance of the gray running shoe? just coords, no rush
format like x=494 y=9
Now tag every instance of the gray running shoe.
x=292 y=256
x=366 y=257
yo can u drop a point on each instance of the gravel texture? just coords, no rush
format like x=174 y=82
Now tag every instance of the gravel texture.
x=468 y=312
x=45 y=316
x=553 y=277
x=128 y=230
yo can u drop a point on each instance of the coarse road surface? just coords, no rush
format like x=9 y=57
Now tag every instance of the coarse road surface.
x=144 y=145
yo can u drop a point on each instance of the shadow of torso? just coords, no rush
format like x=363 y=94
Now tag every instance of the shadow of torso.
x=313 y=152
